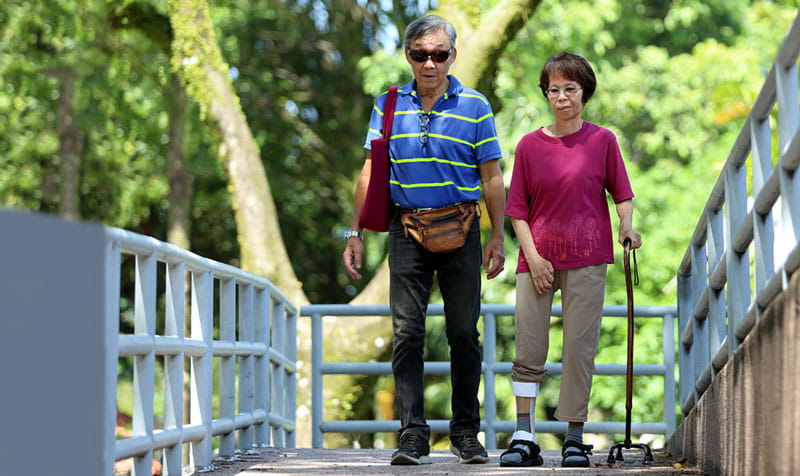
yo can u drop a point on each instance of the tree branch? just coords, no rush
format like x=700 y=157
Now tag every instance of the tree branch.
x=486 y=44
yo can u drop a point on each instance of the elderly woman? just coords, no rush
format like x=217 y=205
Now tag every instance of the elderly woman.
x=558 y=209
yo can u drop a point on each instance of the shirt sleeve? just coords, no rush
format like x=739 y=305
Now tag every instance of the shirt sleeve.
x=375 y=130
x=518 y=201
x=487 y=146
x=617 y=182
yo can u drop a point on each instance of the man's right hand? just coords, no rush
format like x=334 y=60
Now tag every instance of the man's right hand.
x=352 y=256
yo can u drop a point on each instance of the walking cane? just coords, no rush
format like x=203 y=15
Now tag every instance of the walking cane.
x=648 y=456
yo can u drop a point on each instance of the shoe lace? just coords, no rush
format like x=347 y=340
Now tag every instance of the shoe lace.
x=468 y=442
x=410 y=441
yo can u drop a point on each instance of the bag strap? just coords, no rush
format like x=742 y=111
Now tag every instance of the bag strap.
x=388 y=111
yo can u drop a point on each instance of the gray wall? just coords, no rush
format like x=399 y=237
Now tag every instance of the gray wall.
x=52 y=356
x=748 y=421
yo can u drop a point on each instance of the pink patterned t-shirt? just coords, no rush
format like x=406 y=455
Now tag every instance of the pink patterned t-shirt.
x=559 y=187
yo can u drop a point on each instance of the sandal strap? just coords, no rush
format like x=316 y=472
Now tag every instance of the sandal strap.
x=584 y=449
x=533 y=448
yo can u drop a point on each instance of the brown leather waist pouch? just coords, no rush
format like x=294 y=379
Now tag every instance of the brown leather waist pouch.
x=440 y=230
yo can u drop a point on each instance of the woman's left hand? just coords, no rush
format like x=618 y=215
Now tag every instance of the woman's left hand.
x=631 y=234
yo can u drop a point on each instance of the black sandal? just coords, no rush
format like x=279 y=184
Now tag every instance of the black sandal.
x=529 y=458
x=575 y=455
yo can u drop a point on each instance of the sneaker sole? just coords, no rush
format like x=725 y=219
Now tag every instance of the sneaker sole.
x=475 y=459
x=403 y=459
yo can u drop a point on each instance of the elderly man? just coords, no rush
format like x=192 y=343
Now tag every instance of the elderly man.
x=444 y=152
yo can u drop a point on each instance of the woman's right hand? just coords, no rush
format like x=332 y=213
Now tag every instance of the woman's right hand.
x=542 y=274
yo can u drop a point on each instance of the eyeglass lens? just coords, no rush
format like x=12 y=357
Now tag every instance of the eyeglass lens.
x=569 y=91
x=424 y=120
x=421 y=56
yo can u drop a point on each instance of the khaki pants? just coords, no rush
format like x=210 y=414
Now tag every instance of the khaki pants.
x=582 y=292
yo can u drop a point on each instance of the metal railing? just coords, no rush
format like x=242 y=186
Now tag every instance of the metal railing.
x=490 y=425
x=750 y=225
x=255 y=355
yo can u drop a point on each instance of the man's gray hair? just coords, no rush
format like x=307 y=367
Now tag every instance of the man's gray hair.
x=426 y=25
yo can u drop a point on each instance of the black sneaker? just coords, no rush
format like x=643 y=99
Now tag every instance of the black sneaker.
x=413 y=449
x=468 y=449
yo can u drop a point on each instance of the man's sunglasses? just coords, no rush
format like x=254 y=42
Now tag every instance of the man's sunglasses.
x=421 y=56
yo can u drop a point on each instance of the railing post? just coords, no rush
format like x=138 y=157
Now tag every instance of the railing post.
x=716 y=295
x=279 y=371
x=262 y=365
x=763 y=226
x=316 y=380
x=202 y=370
x=738 y=266
x=227 y=366
x=246 y=378
x=489 y=399
x=685 y=321
x=174 y=326
x=144 y=364
x=668 y=356
x=291 y=378
x=786 y=92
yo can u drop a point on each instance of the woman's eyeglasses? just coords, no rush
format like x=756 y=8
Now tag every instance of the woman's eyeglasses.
x=424 y=120
x=569 y=91
x=421 y=56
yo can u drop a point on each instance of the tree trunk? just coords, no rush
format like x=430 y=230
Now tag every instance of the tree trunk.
x=480 y=48
x=199 y=63
x=69 y=146
x=180 y=180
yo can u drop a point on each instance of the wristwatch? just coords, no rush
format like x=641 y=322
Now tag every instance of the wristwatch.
x=350 y=233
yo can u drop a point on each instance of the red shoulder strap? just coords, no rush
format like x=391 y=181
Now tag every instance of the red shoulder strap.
x=388 y=111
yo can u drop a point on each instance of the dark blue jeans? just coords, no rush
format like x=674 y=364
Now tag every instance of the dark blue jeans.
x=412 y=270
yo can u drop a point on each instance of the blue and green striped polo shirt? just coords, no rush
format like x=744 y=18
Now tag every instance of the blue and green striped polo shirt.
x=444 y=169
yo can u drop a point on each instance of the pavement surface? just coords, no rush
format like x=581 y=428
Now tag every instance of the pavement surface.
x=360 y=462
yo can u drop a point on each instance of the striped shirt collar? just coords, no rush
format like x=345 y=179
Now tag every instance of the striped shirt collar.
x=410 y=89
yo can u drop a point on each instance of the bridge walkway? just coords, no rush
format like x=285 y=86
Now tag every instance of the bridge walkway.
x=368 y=462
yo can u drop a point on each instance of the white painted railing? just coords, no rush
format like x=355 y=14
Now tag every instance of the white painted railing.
x=745 y=245
x=250 y=365
x=490 y=424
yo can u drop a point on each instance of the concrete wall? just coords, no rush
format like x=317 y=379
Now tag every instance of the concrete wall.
x=748 y=421
x=52 y=347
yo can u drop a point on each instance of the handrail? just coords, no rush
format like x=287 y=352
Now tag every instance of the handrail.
x=490 y=368
x=256 y=354
x=719 y=299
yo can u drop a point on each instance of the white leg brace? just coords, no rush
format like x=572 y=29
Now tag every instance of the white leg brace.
x=525 y=389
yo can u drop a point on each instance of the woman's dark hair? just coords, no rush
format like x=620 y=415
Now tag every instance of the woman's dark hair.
x=572 y=67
